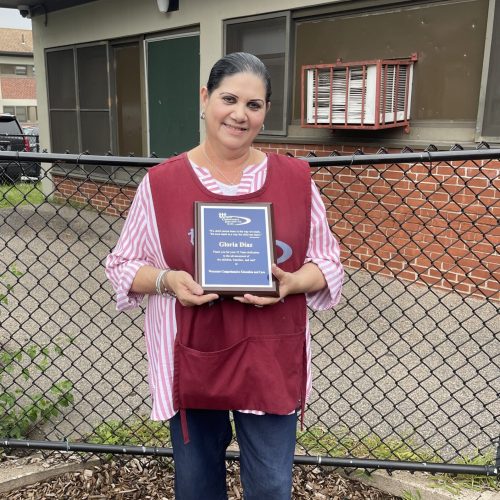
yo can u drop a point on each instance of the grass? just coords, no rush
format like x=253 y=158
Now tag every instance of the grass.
x=456 y=483
x=411 y=495
x=13 y=195
x=141 y=431
x=135 y=431
x=341 y=443
x=24 y=193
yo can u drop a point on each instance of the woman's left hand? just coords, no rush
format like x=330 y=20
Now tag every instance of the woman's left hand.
x=286 y=283
x=309 y=278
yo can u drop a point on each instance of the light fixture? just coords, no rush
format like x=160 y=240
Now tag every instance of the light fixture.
x=25 y=11
x=168 y=5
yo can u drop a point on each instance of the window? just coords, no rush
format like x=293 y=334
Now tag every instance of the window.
x=7 y=69
x=79 y=99
x=267 y=37
x=62 y=101
x=21 y=70
x=79 y=103
x=489 y=115
x=448 y=72
x=83 y=115
x=23 y=113
x=32 y=114
x=93 y=98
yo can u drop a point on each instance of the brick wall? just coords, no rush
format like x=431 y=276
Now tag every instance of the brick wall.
x=18 y=87
x=110 y=199
x=435 y=224
x=317 y=149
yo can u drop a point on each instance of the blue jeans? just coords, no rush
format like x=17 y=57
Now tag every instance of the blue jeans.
x=267 y=445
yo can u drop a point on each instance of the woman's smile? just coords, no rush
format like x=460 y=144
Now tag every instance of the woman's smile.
x=234 y=112
x=235 y=128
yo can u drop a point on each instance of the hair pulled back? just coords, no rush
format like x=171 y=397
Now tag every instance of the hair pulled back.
x=238 y=62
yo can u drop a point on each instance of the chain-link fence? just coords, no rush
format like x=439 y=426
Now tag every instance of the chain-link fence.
x=405 y=369
x=11 y=172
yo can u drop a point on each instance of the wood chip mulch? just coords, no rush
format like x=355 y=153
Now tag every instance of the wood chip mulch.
x=151 y=479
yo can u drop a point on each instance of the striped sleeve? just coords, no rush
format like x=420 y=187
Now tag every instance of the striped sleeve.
x=324 y=251
x=133 y=249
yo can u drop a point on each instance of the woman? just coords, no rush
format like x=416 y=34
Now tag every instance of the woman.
x=247 y=353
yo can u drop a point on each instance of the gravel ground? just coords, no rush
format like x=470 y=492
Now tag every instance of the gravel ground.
x=151 y=479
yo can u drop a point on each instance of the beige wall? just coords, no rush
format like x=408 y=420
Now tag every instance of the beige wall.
x=108 y=19
x=112 y=19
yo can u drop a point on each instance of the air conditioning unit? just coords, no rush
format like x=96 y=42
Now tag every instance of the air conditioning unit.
x=358 y=95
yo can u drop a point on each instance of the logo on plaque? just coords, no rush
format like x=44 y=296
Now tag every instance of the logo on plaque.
x=234 y=220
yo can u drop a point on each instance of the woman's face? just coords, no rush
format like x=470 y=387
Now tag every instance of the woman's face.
x=235 y=111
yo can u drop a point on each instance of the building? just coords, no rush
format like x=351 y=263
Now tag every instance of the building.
x=17 y=75
x=122 y=76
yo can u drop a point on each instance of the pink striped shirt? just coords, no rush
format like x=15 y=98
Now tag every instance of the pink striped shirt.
x=139 y=245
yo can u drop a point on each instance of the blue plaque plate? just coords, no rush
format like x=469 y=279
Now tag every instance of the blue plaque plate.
x=234 y=248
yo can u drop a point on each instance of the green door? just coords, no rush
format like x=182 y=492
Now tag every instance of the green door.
x=173 y=94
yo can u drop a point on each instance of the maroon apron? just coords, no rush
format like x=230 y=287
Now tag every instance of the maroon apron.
x=228 y=355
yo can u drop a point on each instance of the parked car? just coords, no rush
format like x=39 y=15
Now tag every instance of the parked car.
x=12 y=138
x=33 y=134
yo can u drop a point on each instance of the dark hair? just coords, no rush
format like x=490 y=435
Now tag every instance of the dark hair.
x=238 y=62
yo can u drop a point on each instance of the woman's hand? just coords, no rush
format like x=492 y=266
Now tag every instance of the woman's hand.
x=308 y=278
x=188 y=292
x=286 y=283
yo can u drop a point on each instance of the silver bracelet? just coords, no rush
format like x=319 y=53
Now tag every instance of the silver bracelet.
x=158 y=283
x=161 y=288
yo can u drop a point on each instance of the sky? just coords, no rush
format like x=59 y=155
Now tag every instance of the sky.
x=10 y=18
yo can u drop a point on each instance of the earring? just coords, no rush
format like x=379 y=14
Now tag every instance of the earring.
x=202 y=115
x=263 y=127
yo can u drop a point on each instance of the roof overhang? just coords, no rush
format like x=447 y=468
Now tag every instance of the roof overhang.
x=39 y=8
x=17 y=54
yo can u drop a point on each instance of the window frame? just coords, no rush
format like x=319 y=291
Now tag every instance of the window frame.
x=287 y=72
x=487 y=63
x=74 y=48
x=103 y=172
x=25 y=117
x=15 y=109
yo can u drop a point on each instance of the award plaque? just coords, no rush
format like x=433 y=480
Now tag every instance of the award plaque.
x=234 y=248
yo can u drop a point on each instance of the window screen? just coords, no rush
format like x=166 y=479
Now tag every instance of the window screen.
x=491 y=120
x=92 y=63
x=79 y=99
x=22 y=114
x=61 y=79
x=64 y=131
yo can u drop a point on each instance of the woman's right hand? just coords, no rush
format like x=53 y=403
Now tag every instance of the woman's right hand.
x=188 y=292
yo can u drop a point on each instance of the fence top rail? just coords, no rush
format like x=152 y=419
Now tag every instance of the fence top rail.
x=325 y=161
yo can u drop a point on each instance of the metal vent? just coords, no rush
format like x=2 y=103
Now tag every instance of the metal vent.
x=368 y=94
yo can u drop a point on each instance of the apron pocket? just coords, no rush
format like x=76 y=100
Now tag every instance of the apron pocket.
x=257 y=373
